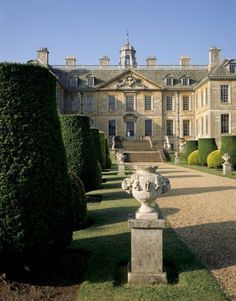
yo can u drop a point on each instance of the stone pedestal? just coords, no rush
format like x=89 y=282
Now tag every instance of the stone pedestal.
x=227 y=169
x=177 y=160
x=146 y=252
x=121 y=170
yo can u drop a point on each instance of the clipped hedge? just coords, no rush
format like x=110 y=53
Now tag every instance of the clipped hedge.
x=190 y=146
x=214 y=159
x=79 y=202
x=35 y=191
x=80 y=149
x=96 y=139
x=205 y=147
x=99 y=175
x=193 y=158
x=228 y=145
x=103 y=149
x=108 y=158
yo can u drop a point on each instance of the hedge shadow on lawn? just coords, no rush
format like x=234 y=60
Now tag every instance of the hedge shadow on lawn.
x=184 y=176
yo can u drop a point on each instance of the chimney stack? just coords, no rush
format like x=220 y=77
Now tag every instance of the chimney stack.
x=70 y=61
x=151 y=61
x=104 y=61
x=214 y=57
x=43 y=55
x=184 y=61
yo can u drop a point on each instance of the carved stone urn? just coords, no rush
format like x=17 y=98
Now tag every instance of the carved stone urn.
x=146 y=185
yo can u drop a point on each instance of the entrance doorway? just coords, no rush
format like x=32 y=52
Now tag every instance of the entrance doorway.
x=129 y=128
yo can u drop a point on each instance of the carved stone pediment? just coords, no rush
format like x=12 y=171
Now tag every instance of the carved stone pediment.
x=130 y=116
x=130 y=82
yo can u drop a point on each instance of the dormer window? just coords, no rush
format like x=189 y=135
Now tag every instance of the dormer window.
x=185 y=81
x=91 y=81
x=169 y=81
x=73 y=82
x=232 y=68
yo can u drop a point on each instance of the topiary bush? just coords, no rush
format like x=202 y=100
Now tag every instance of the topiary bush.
x=193 y=158
x=99 y=175
x=228 y=145
x=79 y=202
x=80 y=149
x=108 y=158
x=190 y=146
x=35 y=191
x=214 y=159
x=205 y=147
x=103 y=149
x=96 y=139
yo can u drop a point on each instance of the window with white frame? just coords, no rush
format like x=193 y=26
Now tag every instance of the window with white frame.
x=111 y=127
x=89 y=103
x=185 y=81
x=169 y=103
x=148 y=103
x=74 y=104
x=196 y=100
x=185 y=103
x=169 y=127
x=206 y=96
x=224 y=123
x=148 y=127
x=202 y=126
x=111 y=103
x=206 y=125
x=232 y=68
x=169 y=81
x=90 y=81
x=186 y=127
x=129 y=103
x=202 y=99
x=224 y=93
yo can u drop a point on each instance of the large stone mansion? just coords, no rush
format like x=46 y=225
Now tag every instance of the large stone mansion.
x=134 y=101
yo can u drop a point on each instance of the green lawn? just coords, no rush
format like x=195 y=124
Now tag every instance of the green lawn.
x=108 y=241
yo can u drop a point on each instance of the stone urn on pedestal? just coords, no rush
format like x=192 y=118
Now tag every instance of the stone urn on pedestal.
x=146 y=229
x=227 y=168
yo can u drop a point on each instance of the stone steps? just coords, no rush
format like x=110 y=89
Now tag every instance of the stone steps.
x=142 y=156
x=136 y=145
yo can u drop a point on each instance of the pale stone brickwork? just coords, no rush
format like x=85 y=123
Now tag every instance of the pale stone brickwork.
x=183 y=101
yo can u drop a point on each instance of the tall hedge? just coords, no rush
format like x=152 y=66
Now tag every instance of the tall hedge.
x=228 y=145
x=80 y=149
x=205 y=147
x=103 y=149
x=96 y=139
x=108 y=158
x=35 y=191
x=190 y=146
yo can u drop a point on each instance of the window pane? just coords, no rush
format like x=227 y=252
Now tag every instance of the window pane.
x=111 y=103
x=232 y=68
x=129 y=103
x=169 y=81
x=74 y=104
x=185 y=81
x=89 y=103
x=186 y=103
x=111 y=128
x=148 y=103
x=224 y=123
x=148 y=127
x=186 y=128
x=169 y=103
x=91 y=81
x=224 y=93
x=169 y=127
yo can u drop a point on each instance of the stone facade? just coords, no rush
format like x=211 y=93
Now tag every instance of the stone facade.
x=182 y=102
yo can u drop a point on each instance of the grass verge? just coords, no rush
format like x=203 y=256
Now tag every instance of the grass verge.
x=108 y=242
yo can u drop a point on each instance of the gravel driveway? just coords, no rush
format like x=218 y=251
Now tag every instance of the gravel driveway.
x=202 y=210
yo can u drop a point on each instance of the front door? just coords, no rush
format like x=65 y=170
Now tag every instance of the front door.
x=130 y=128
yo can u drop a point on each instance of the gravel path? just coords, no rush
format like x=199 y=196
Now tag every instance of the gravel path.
x=202 y=210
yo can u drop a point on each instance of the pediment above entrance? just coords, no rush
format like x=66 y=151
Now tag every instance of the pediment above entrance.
x=129 y=81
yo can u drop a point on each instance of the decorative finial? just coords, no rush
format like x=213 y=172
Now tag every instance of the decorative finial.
x=127 y=37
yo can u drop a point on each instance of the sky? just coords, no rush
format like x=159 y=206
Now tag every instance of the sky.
x=89 y=29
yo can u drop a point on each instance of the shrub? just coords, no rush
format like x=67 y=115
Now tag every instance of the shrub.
x=96 y=139
x=99 y=174
x=103 y=149
x=228 y=145
x=79 y=203
x=35 y=191
x=190 y=146
x=193 y=158
x=205 y=147
x=80 y=149
x=108 y=158
x=214 y=159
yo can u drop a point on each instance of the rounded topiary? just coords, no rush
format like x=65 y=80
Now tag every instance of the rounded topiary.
x=228 y=145
x=193 y=158
x=205 y=147
x=108 y=158
x=103 y=149
x=190 y=146
x=35 y=191
x=79 y=203
x=214 y=159
x=80 y=149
